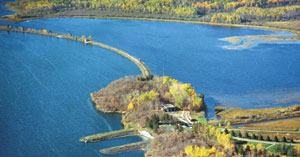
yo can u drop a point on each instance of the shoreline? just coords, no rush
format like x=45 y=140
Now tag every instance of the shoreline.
x=249 y=25
x=238 y=116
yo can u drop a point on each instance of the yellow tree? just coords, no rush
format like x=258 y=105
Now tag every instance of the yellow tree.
x=130 y=106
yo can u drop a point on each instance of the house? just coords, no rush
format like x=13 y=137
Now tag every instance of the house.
x=168 y=108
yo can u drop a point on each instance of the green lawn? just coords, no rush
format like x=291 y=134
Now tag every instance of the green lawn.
x=202 y=120
x=263 y=144
x=273 y=149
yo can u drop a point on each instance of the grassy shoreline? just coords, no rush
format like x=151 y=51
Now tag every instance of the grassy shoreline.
x=158 y=18
x=246 y=116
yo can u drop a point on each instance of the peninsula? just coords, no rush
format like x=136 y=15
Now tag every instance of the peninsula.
x=170 y=113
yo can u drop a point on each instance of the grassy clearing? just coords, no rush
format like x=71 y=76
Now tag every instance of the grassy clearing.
x=202 y=120
x=263 y=144
x=240 y=116
x=294 y=25
x=273 y=149
x=284 y=125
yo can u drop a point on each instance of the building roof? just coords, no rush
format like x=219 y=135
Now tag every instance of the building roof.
x=168 y=105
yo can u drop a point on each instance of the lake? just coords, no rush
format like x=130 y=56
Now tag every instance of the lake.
x=45 y=81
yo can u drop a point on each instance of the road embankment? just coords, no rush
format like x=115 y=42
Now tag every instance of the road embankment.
x=146 y=74
x=125 y=148
x=108 y=135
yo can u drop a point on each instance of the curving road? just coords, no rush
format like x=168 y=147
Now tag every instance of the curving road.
x=267 y=142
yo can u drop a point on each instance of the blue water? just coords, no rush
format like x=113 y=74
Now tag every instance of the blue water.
x=45 y=82
x=3 y=9
x=261 y=76
x=44 y=101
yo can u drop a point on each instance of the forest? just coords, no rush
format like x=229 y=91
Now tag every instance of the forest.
x=215 y=11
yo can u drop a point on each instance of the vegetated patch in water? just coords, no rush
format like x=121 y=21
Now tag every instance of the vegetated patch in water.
x=243 y=42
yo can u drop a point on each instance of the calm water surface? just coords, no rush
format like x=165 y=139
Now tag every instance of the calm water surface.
x=45 y=82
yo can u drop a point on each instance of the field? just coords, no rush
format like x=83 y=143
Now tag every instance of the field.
x=284 y=125
x=244 y=116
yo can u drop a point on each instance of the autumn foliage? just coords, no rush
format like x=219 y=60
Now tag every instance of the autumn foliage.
x=219 y=11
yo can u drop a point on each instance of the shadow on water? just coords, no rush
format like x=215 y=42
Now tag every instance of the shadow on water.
x=210 y=103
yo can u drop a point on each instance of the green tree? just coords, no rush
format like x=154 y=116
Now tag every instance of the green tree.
x=283 y=139
x=228 y=124
x=268 y=138
x=226 y=131
x=275 y=139
x=239 y=134
x=253 y=136
x=260 y=137
x=246 y=135
x=155 y=127
x=232 y=133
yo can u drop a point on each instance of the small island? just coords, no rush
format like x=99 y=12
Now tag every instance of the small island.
x=167 y=110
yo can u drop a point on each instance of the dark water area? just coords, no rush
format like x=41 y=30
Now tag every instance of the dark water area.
x=45 y=82
x=44 y=101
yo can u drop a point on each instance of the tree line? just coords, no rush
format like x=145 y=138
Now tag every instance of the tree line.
x=218 y=11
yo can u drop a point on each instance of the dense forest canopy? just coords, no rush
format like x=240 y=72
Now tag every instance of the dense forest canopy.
x=218 y=11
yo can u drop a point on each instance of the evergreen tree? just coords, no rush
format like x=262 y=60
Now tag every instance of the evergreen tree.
x=240 y=150
x=247 y=149
x=275 y=139
x=253 y=136
x=246 y=135
x=232 y=133
x=239 y=134
x=226 y=131
x=283 y=139
x=260 y=138
x=268 y=138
